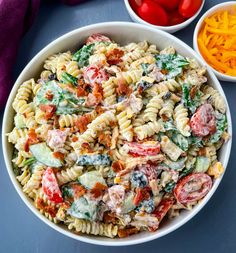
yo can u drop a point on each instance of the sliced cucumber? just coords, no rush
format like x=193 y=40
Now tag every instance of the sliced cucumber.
x=128 y=204
x=89 y=179
x=43 y=154
x=202 y=164
x=83 y=208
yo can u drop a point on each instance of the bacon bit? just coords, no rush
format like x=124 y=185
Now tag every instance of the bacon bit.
x=98 y=91
x=49 y=95
x=98 y=190
x=75 y=138
x=26 y=146
x=56 y=121
x=59 y=155
x=78 y=191
x=99 y=110
x=141 y=194
x=51 y=210
x=117 y=166
x=127 y=232
x=193 y=92
x=110 y=152
x=164 y=71
x=96 y=97
x=81 y=92
x=48 y=109
x=202 y=152
x=32 y=139
x=104 y=139
x=109 y=218
x=25 y=115
x=32 y=136
x=114 y=56
x=83 y=122
x=81 y=88
x=113 y=124
x=123 y=88
x=164 y=117
x=86 y=148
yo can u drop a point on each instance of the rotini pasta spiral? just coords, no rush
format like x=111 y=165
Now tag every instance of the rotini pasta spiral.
x=152 y=108
x=125 y=126
x=165 y=86
x=182 y=120
x=94 y=228
x=131 y=77
x=216 y=99
x=72 y=68
x=70 y=174
x=68 y=120
x=109 y=92
x=147 y=130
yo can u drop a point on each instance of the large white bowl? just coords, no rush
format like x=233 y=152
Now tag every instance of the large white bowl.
x=219 y=7
x=123 y=33
x=169 y=29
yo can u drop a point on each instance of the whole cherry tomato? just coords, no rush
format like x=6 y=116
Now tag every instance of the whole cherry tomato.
x=175 y=18
x=192 y=188
x=187 y=8
x=50 y=186
x=153 y=13
x=203 y=121
x=168 y=4
x=135 y=4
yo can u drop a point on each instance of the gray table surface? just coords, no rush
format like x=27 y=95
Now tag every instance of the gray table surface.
x=211 y=230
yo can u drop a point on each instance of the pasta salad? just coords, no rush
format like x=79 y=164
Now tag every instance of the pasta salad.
x=110 y=139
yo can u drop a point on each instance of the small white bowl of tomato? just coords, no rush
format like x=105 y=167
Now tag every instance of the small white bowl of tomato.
x=167 y=15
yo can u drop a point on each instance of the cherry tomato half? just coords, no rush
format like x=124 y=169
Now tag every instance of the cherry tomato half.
x=187 y=8
x=153 y=13
x=175 y=18
x=203 y=121
x=142 y=149
x=193 y=187
x=164 y=206
x=168 y=4
x=94 y=74
x=50 y=186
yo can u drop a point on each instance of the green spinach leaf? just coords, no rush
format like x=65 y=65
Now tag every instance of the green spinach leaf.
x=83 y=54
x=191 y=103
x=67 y=78
x=172 y=63
x=221 y=126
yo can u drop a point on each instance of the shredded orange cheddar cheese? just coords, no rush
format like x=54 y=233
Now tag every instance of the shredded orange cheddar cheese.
x=217 y=41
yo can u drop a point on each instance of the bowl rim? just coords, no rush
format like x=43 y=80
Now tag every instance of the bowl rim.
x=108 y=241
x=169 y=28
x=199 y=24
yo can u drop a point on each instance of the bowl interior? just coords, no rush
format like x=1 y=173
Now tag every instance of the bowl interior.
x=123 y=33
x=227 y=6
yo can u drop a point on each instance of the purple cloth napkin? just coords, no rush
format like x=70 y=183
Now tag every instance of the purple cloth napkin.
x=16 y=17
